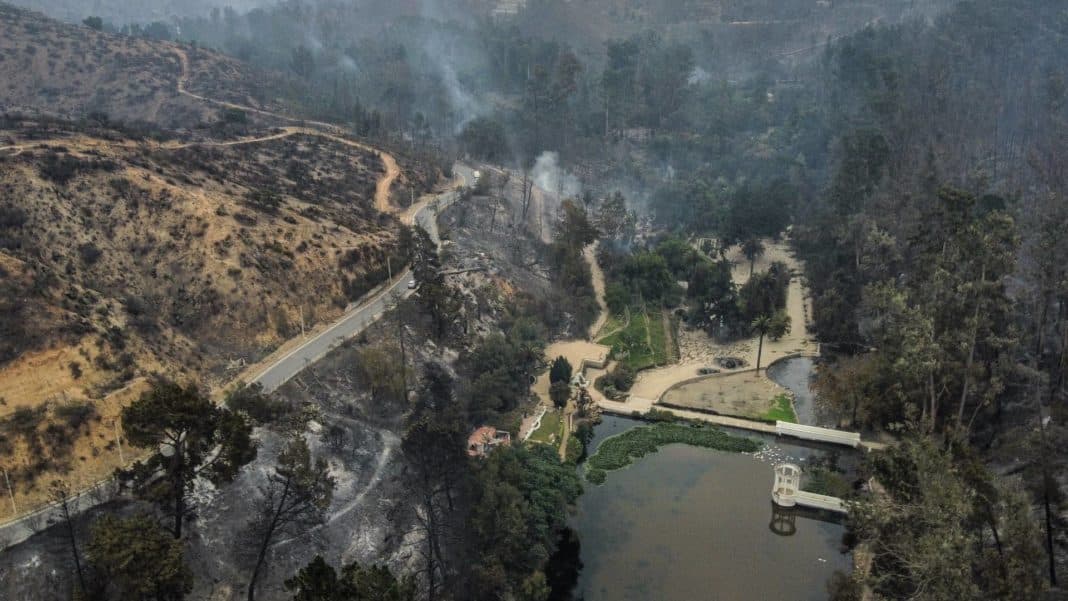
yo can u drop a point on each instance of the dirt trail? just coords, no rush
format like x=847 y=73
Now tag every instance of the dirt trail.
x=537 y=199
x=385 y=183
x=597 y=274
x=319 y=129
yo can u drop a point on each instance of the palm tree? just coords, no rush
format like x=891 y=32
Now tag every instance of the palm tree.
x=761 y=324
x=752 y=248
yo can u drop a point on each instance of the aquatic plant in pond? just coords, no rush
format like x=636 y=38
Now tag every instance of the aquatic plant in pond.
x=620 y=451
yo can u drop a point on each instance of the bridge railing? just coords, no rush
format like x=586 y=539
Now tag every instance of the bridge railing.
x=850 y=439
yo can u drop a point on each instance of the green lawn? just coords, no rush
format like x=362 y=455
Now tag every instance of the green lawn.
x=613 y=323
x=643 y=340
x=782 y=411
x=551 y=429
x=621 y=450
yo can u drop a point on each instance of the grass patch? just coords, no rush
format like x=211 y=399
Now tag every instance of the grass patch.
x=782 y=410
x=612 y=324
x=643 y=343
x=550 y=430
x=622 y=450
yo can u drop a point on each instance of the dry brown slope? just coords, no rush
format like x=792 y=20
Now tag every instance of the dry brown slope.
x=126 y=259
x=56 y=68
x=71 y=71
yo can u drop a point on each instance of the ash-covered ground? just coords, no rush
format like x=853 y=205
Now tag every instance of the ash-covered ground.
x=365 y=462
x=492 y=258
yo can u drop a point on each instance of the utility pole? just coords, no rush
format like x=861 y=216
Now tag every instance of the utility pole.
x=11 y=495
x=118 y=441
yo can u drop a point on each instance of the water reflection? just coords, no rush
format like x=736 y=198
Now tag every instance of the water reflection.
x=783 y=520
x=693 y=524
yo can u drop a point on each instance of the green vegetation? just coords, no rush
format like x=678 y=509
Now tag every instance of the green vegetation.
x=643 y=343
x=560 y=371
x=136 y=558
x=551 y=428
x=925 y=524
x=621 y=450
x=782 y=410
x=575 y=449
x=617 y=320
x=499 y=369
x=193 y=439
x=519 y=508
x=823 y=481
x=319 y=581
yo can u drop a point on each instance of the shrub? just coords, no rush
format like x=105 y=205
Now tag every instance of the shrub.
x=24 y=421
x=76 y=413
x=259 y=406
x=267 y=201
x=621 y=378
x=779 y=326
x=616 y=297
x=89 y=253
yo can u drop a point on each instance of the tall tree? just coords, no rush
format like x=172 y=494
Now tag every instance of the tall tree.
x=318 y=581
x=295 y=498
x=66 y=506
x=137 y=559
x=945 y=529
x=193 y=438
x=433 y=446
x=753 y=249
x=439 y=300
x=560 y=371
x=761 y=325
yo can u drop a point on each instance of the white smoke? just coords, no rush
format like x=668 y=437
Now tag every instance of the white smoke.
x=465 y=104
x=699 y=76
x=550 y=177
x=347 y=64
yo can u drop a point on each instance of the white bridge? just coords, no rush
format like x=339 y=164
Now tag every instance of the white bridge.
x=786 y=491
x=849 y=439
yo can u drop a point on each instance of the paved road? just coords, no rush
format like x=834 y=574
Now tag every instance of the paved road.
x=356 y=319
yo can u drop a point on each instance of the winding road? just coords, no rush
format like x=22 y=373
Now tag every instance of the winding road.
x=355 y=319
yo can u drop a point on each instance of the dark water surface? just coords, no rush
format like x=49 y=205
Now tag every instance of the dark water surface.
x=689 y=524
x=796 y=374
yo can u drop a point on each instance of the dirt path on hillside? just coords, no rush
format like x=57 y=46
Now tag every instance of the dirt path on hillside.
x=597 y=275
x=333 y=132
x=107 y=462
x=537 y=199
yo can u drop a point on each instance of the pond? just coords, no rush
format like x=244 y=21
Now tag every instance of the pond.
x=795 y=374
x=687 y=523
